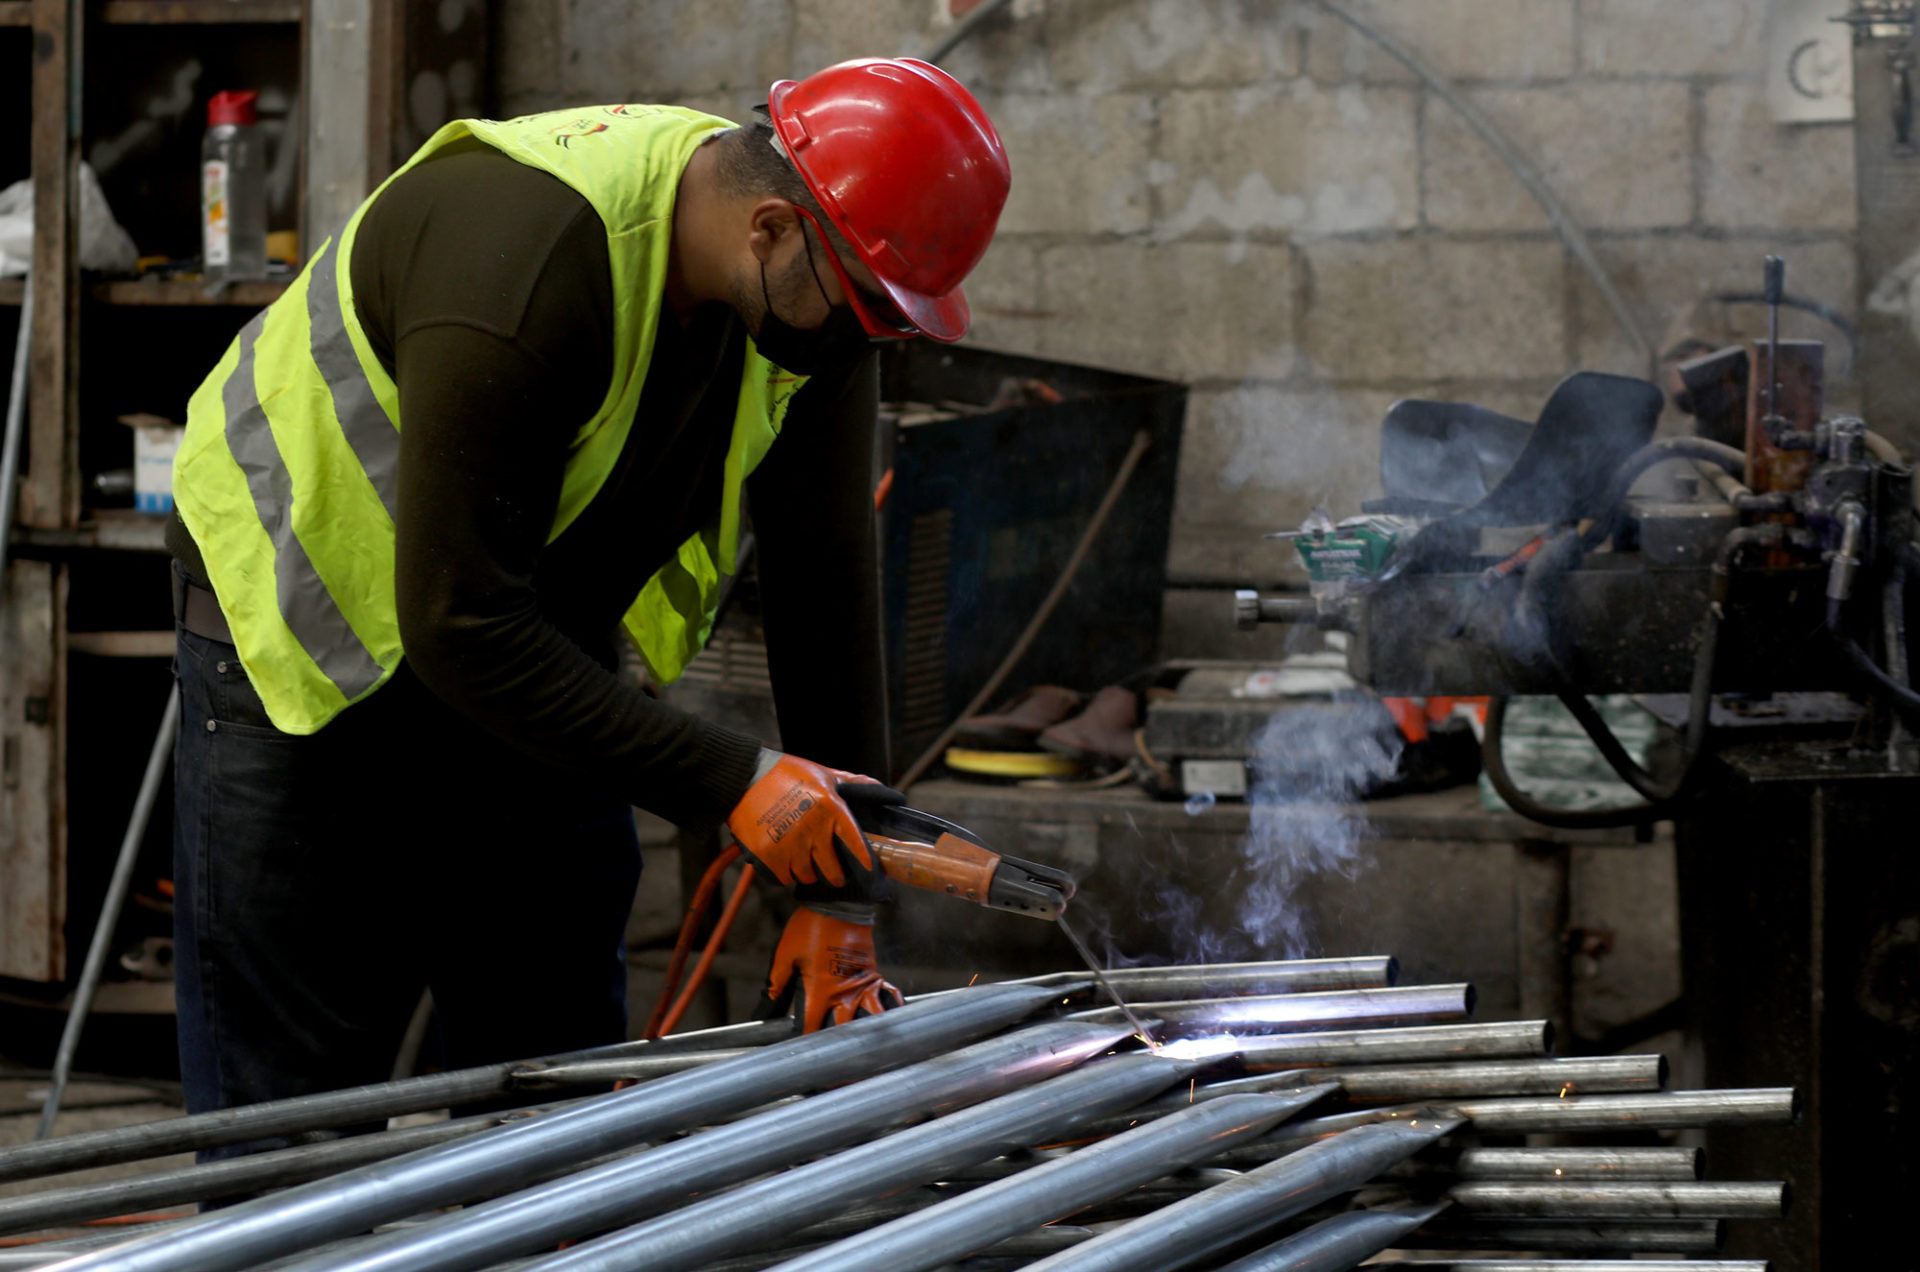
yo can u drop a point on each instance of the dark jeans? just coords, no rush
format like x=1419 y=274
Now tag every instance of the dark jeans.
x=321 y=882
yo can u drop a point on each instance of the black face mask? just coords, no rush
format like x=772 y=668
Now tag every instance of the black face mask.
x=838 y=342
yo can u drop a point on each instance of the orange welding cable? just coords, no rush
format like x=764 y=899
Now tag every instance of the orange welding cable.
x=720 y=928
x=696 y=910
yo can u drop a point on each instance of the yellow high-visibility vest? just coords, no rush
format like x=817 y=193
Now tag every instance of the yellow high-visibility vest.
x=286 y=475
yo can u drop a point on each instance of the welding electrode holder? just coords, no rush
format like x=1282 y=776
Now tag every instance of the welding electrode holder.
x=918 y=850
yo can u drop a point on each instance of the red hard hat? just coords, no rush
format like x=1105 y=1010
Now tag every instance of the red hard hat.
x=911 y=172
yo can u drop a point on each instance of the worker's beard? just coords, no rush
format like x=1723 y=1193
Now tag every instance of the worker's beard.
x=839 y=341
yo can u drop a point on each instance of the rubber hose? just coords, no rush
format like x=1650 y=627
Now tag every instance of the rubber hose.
x=1667 y=448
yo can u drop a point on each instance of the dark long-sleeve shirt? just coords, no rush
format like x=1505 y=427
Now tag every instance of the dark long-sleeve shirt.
x=484 y=287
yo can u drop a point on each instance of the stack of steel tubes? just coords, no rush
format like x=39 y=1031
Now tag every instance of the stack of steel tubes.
x=1302 y=1116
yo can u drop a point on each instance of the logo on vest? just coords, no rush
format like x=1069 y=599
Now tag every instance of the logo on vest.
x=564 y=134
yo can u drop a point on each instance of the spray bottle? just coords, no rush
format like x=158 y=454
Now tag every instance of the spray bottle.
x=233 y=192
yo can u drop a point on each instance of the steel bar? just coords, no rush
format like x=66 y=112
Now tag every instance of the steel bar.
x=112 y=904
x=751 y=1216
x=1392 y=1046
x=1656 y=1111
x=1678 y=1164
x=1021 y=1249
x=211 y=1181
x=331 y=1109
x=1580 y=1265
x=1429 y=1082
x=1623 y=1200
x=1340 y=1243
x=1594 y=1075
x=1294 y=1013
x=975 y=1220
x=637 y=1186
x=642 y=1068
x=1697 y=1236
x=1204 y=1224
x=272 y=1227
x=1213 y=980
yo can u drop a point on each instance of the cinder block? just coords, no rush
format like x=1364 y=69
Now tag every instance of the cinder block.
x=1079 y=163
x=1007 y=55
x=829 y=31
x=1670 y=283
x=1264 y=456
x=1287 y=157
x=1183 y=310
x=526 y=62
x=1220 y=553
x=664 y=50
x=1619 y=155
x=1427 y=309
x=1004 y=291
x=1763 y=175
x=1101 y=46
x=1462 y=39
x=1659 y=37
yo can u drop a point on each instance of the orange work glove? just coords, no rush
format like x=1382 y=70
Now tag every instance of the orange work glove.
x=824 y=970
x=790 y=817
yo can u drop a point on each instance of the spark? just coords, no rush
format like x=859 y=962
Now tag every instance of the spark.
x=1566 y=1090
x=1558 y=1170
x=1191 y=1083
x=974 y=979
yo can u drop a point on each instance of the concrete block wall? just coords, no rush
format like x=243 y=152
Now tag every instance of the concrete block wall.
x=1249 y=196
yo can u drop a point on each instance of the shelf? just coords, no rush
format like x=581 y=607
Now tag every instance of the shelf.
x=113 y=530
x=12 y=290
x=177 y=291
x=16 y=13
x=198 y=12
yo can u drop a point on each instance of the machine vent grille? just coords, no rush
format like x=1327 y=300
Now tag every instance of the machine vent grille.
x=923 y=712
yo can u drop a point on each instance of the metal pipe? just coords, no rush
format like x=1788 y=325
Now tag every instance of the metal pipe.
x=750 y=1216
x=1696 y=1236
x=272 y=1227
x=1023 y=1248
x=330 y=1109
x=1580 y=1163
x=211 y=1181
x=1207 y=980
x=16 y=425
x=637 y=1186
x=1206 y=1223
x=1656 y=1111
x=1593 y=1075
x=1340 y=1243
x=579 y=1073
x=110 y=906
x=1294 y=1013
x=1387 y=1046
x=1581 y=1265
x=976 y=1219
x=1623 y=1200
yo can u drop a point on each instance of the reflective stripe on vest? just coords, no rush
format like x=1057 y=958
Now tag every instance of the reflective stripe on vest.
x=310 y=611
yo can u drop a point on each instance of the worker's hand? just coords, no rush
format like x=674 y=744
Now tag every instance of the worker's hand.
x=790 y=818
x=824 y=970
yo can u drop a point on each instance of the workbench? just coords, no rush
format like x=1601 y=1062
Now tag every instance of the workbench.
x=1579 y=927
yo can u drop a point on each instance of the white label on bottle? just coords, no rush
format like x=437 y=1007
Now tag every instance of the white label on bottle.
x=214 y=212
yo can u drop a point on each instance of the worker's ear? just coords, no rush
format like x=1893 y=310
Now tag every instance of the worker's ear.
x=771 y=223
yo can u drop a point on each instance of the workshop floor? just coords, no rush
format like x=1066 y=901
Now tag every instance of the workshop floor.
x=89 y=1106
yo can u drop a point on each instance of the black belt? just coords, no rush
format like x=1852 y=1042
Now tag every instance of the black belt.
x=197 y=610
